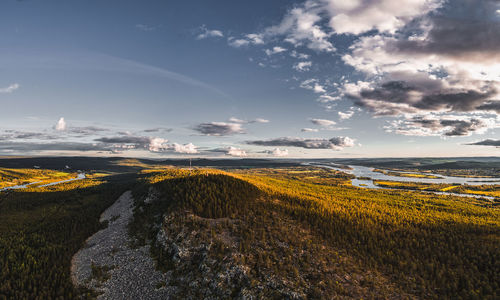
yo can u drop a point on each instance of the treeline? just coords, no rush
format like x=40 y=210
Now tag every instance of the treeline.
x=41 y=229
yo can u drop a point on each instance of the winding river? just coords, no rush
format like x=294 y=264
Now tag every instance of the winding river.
x=23 y=186
x=360 y=171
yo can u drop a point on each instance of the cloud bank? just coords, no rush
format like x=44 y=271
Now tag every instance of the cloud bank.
x=487 y=142
x=335 y=143
x=219 y=128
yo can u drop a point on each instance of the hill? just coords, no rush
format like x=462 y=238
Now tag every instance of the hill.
x=240 y=234
x=287 y=232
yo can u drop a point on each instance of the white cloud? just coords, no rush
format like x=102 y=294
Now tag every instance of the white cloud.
x=186 y=148
x=240 y=121
x=298 y=55
x=209 y=33
x=313 y=85
x=60 y=125
x=274 y=50
x=318 y=88
x=233 y=151
x=280 y=153
x=236 y=120
x=300 y=27
x=249 y=39
x=303 y=25
x=345 y=115
x=356 y=16
x=303 y=66
x=157 y=144
x=237 y=43
x=10 y=88
x=256 y=39
x=328 y=98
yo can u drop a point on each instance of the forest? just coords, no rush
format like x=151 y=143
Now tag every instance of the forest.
x=431 y=246
x=302 y=230
x=42 y=228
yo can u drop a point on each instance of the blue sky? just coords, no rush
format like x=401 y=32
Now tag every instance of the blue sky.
x=315 y=78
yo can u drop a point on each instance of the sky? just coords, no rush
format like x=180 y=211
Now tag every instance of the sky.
x=267 y=79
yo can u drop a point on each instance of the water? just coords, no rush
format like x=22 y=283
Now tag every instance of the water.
x=23 y=186
x=360 y=171
x=80 y=176
x=16 y=187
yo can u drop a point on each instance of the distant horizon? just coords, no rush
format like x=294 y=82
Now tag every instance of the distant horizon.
x=242 y=158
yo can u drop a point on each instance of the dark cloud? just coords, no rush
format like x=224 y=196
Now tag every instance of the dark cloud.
x=443 y=64
x=462 y=127
x=490 y=106
x=138 y=140
x=74 y=131
x=448 y=127
x=55 y=146
x=462 y=101
x=418 y=96
x=219 y=128
x=487 y=142
x=464 y=30
x=158 y=129
x=87 y=130
x=17 y=135
x=392 y=91
x=333 y=143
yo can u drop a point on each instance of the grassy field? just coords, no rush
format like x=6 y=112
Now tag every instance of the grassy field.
x=409 y=175
x=11 y=177
x=484 y=190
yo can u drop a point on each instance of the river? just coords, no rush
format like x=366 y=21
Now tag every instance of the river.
x=360 y=171
x=23 y=186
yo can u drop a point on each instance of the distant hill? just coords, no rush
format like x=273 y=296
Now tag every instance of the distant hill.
x=121 y=164
x=479 y=165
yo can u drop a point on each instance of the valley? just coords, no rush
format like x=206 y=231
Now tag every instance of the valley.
x=286 y=230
